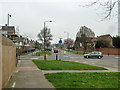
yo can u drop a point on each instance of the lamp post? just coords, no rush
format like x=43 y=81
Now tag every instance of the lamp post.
x=67 y=34
x=8 y=19
x=44 y=39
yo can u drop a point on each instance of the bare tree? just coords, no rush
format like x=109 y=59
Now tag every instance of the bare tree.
x=108 y=6
x=48 y=36
x=82 y=35
x=85 y=30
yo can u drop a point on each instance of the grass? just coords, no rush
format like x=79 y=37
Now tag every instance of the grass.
x=41 y=53
x=84 y=80
x=75 y=52
x=64 y=65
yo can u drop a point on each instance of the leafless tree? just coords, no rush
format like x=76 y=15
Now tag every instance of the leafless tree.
x=108 y=6
x=48 y=36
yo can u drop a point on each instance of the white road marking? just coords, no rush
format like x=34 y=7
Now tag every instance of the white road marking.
x=34 y=58
x=66 y=56
x=74 y=57
x=84 y=62
x=19 y=61
x=76 y=61
x=117 y=57
x=13 y=85
x=16 y=71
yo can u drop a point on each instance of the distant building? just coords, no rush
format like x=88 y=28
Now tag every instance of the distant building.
x=108 y=38
x=10 y=30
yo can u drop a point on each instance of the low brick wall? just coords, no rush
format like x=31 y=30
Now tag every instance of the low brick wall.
x=106 y=51
x=7 y=59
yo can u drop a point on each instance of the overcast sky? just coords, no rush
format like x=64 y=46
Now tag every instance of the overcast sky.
x=66 y=16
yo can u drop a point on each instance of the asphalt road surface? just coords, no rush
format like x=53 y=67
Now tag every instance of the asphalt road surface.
x=110 y=62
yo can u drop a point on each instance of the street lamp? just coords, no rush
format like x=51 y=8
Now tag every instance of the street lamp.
x=67 y=34
x=44 y=39
x=8 y=19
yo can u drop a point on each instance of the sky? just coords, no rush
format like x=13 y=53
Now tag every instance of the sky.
x=66 y=16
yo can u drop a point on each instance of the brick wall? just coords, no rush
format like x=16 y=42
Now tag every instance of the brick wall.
x=8 y=59
x=106 y=51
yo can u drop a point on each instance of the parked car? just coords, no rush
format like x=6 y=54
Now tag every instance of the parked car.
x=48 y=49
x=94 y=54
x=55 y=50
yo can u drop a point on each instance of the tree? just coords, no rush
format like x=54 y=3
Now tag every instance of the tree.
x=82 y=36
x=48 y=44
x=101 y=43
x=85 y=30
x=37 y=44
x=68 y=42
x=108 y=6
x=48 y=36
x=116 y=41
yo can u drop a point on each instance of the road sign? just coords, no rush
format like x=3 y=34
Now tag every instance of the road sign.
x=60 y=41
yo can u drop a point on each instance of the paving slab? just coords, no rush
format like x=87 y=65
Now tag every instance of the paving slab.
x=28 y=75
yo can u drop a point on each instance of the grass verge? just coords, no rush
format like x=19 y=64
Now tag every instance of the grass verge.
x=84 y=80
x=75 y=52
x=41 y=53
x=64 y=65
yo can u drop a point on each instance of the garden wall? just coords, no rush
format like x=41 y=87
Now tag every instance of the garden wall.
x=7 y=60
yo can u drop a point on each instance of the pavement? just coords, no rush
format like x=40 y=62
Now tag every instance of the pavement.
x=27 y=75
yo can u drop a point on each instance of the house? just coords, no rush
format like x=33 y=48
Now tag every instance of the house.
x=90 y=42
x=10 y=30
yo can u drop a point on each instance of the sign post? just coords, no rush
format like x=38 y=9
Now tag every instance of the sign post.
x=60 y=42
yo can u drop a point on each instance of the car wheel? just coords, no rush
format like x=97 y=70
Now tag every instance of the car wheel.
x=87 y=56
x=99 y=57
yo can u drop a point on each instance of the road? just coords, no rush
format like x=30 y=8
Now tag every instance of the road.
x=110 y=62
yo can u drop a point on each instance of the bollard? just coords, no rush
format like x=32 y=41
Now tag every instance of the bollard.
x=56 y=57
x=46 y=57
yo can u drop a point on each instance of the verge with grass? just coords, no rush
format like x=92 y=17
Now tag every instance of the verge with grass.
x=73 y=51
x=64 y=65
x=41 y=53
x=84 y=80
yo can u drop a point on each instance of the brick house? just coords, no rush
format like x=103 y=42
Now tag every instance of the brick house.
x=90 y=42
x=108 y=38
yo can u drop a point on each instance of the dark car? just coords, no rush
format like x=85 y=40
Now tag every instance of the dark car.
x=94 y=54
x=48 y=49
x=55 y=50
